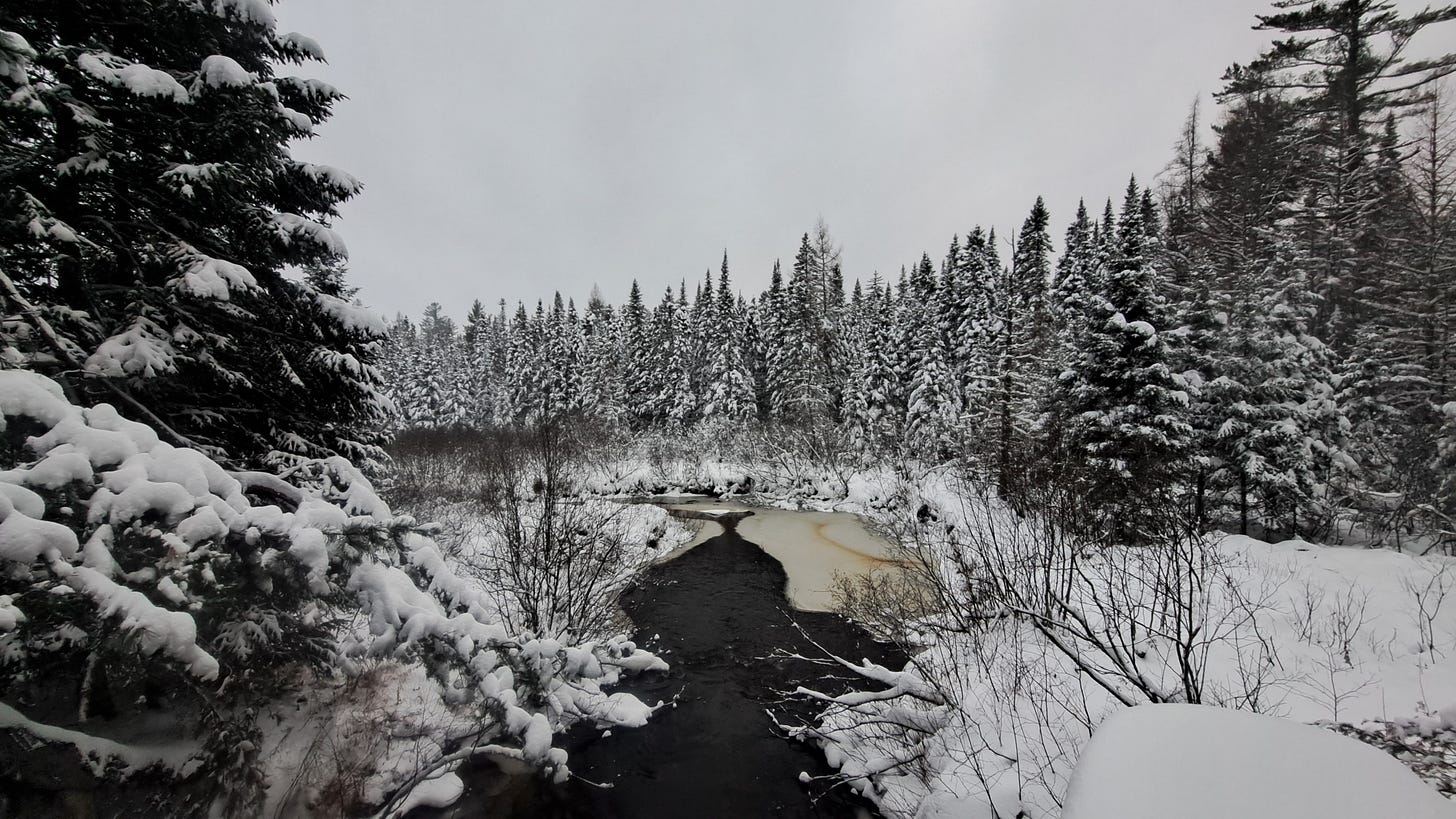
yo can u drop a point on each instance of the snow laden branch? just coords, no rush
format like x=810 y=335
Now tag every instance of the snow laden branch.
x=902 y=713
x=118 y=548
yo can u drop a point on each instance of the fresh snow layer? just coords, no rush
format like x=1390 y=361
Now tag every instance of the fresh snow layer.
x=1201 y=762
x=139 y=79
x=221 y=71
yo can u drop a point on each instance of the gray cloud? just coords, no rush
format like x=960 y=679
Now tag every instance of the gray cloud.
x=513 y=149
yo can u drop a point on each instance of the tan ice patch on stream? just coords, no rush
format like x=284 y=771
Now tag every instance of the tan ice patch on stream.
x=813 y=547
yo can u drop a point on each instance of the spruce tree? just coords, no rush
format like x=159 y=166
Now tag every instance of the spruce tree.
x=603 y=390
x=1075 y=274
x=152 y=208
x=1024 y=339
x=775 y=323
x=1124 y=408
x=874 y=408
x=523 y=367
x=1347 y=64
x=1277 y=430
x=399 y=363
x=475 y=325
x=807 y=395
x=970 y=304
x=665 y=374
x=932 y=406
x=730 y=394
x=639 y=393
x=1401 y=373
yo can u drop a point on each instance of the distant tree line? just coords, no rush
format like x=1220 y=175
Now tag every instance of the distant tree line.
x=1270 y=329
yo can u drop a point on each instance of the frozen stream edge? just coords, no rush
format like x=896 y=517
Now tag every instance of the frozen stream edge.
x=813 y=547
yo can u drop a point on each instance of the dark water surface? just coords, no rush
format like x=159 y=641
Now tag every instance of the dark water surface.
x=714 y=613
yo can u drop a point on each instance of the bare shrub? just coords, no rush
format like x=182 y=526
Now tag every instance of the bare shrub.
x=509 y=501
x=1429 y=596
x=809 y=458
x=1306 y=611
x=331 y=777
x=556 y=561
x=1344 y=623
x=365 y=737
x=1329 y=687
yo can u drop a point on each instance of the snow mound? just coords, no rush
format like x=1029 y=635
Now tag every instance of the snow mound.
x=1201 y=762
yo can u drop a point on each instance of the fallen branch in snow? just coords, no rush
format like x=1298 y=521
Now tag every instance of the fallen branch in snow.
x=104 y=757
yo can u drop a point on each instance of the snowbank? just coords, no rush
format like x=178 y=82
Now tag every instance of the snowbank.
x=1199 y=762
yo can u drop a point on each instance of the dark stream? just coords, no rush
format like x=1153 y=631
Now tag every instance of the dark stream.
x=714 y=613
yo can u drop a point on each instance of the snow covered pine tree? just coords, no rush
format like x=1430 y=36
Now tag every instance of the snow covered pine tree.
x=151 y=207
x=205 y=527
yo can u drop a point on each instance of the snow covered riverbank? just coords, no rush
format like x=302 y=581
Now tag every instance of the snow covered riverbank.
x=1309 y=633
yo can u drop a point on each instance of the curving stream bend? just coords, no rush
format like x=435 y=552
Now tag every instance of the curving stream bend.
x=716 y=610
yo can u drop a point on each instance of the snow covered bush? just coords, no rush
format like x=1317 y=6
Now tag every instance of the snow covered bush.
x=123 y=556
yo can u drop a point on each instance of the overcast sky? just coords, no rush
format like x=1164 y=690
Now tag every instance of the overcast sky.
x=509 y=150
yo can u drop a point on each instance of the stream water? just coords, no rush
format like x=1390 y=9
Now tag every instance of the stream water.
x=717 y=610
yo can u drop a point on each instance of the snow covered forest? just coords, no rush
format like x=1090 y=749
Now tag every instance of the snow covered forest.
x=1188 y=451
x=1269 y=334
